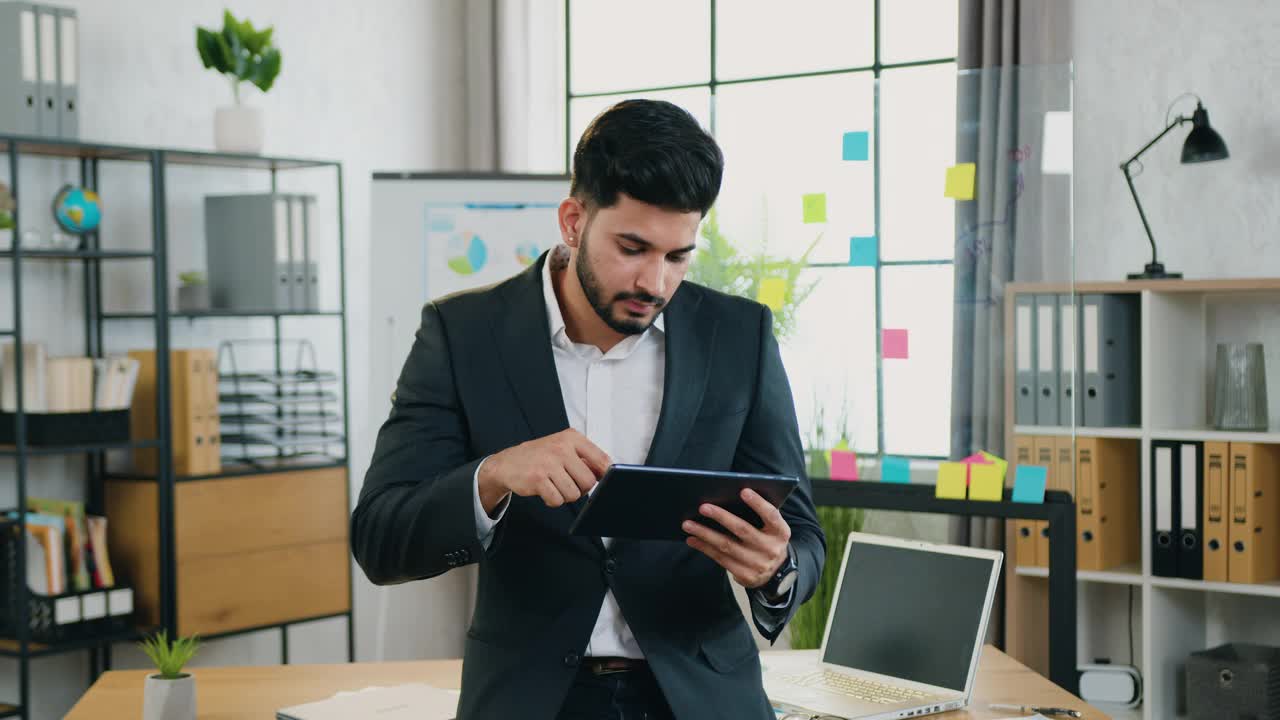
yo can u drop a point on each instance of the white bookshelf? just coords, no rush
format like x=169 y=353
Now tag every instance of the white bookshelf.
x=1181 y=324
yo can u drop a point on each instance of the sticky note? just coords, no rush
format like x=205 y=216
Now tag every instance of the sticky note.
x=864 y=251
x=857 y=146
x=844 y=465
x=815 y=208
x=893 y=343
x=986 y=482
x=998 y=462
x=772 y=292
x=895 y=470
x=951 y=480
x=960 y=181
x=1057 y=147
x=1028 y=483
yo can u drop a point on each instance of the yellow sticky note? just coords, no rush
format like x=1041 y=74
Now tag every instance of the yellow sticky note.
x=815 y=208
x=772 y=292
x=951 y=480
x=986 y=482
x=960 y=181
x=998 y=462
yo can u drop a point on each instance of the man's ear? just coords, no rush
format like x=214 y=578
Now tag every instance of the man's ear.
x=573 y=218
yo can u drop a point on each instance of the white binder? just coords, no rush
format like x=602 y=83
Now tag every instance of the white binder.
x=47 y=82
x=1047 y=373
x=1024 y=346
x=19 y=70
x=68 y=74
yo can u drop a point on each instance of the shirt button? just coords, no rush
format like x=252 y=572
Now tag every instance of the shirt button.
x=610 y=565
x=571 y=659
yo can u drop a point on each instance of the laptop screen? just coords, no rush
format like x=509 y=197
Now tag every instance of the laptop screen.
x=908 y=613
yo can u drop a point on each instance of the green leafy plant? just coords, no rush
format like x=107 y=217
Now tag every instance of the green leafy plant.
x=191 y=277
x=810 y=621
x=170 y=657
x=7 y=206
x=240 y=52
x=720 y=266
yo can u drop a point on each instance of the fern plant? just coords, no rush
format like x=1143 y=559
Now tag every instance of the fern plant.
x=719 y=266
x=170 y=657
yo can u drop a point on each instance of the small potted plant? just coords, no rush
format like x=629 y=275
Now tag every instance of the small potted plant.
x=169 y=694
x=243 y=54
x=7 y=207
x=193 y=293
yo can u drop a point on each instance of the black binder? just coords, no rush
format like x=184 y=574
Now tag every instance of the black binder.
x=1190 y=501
x=1165 y=487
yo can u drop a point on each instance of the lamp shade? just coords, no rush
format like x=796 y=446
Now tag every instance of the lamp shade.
x=1203 y=142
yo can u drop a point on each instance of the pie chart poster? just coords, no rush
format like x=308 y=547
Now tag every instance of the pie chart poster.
x=470 y=245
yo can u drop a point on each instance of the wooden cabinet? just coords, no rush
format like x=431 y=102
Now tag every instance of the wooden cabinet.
x=250 y=550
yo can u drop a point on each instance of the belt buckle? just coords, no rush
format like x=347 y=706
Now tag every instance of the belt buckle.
x=609 y=667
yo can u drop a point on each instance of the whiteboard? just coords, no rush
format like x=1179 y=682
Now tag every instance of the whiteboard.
x=432 y=235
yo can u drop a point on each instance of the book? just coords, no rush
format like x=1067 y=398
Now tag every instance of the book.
x=69 y=385
x=33 y=378
x=46 y=573
x=100 y=559
x=72 y=513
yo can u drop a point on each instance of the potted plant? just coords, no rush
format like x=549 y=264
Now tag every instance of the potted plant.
x=193 y=293
x=169 y=694
x=7 y=207
x=243 y=54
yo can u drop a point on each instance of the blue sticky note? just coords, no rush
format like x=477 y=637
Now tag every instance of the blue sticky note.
x=895 y=470
x=1028 y=483
x=857 y=146
x=863 y=251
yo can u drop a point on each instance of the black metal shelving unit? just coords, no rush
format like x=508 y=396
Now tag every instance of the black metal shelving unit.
x=92 y=255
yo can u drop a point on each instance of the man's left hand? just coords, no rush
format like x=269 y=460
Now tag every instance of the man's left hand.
x=752 y=556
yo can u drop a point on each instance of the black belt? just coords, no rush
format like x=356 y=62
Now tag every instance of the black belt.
x=610 y=665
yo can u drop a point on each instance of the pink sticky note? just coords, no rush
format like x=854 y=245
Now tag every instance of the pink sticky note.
x=844 y=465
x=894 y=343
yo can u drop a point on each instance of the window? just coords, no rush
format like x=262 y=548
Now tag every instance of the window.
x=780 y=85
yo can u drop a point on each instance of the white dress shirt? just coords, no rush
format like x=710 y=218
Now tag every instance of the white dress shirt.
x=613 y=399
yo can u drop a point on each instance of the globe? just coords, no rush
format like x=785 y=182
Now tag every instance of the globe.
x=77 y=210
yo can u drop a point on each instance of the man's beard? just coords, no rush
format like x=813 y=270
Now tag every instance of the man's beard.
x=591 y=288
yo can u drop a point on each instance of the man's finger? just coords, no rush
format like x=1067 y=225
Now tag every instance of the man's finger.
x=581 y=474
x=745 y=531
x=732 y=564
x=723 y=543
x=550 y=494
x=566 y=485
x=768 y=513
x=598 y=460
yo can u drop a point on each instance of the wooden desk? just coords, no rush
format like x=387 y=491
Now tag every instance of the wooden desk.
x=236 y=693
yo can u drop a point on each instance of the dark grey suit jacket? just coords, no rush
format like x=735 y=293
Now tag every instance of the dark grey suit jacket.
x=481 y=378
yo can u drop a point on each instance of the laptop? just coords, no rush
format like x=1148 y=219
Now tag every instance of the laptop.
x=903 y=635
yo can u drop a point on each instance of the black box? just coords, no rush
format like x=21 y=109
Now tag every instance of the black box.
x=1236 y=681
x=72 y=428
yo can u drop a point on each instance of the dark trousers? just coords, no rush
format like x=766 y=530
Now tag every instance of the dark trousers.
x=628 y=695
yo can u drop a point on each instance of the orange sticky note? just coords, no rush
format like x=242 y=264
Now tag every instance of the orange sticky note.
x=960 y=181
x=986 y=482
x=951 y=480
x=772 y=292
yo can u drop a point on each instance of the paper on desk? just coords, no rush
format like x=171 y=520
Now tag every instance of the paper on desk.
x=412 y=701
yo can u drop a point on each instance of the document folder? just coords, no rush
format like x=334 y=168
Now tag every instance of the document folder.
x=1047 y=372
x=19 y=70
x=1217 y=458
x=1110 y=360
x=1025 y=531
x=1164 y=500
x=1254 y=557
x=1024 y=408
x=1190 y=497
x=1108 y=523
x=1071 y=400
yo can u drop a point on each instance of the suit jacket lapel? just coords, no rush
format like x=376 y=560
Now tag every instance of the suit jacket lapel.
x=690 y=335
x=523 y=338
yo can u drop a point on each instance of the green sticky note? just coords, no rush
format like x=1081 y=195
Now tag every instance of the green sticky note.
x=815 y=208
x=998 y=462
x=986 y=482
x=773 y=291
x=960 y=181
x=951 y=480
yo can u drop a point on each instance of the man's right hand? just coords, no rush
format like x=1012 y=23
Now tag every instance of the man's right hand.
x=558 y=468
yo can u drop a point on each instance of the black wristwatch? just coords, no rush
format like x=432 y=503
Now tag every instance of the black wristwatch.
x=783 y=580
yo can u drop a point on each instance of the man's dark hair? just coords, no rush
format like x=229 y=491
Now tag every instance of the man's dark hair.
x=651 y=150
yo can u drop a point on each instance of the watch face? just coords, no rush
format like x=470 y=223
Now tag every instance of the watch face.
x=784 y=585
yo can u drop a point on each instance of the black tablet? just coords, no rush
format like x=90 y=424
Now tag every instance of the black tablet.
x=651 y=503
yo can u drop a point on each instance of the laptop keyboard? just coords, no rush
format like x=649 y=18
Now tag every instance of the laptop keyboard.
x=858 y=688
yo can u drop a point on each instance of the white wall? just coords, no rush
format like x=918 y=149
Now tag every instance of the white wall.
x=1132 y=58
x=376 y=85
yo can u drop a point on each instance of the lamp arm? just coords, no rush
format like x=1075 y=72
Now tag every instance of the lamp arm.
x=1128 y=177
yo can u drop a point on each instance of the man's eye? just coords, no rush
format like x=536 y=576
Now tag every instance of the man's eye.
x=631 y=251
x=682 y=257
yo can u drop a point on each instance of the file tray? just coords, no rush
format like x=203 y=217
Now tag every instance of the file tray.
x=72 y=428
x=72 y=615
x=1233 y=682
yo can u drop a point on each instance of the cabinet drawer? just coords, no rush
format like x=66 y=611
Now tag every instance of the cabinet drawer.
x=232 y=592
x=257 y=512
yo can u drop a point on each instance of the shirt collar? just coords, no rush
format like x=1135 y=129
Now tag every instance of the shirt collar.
x=555 y=320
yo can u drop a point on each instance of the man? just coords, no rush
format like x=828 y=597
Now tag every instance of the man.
x=515 y=399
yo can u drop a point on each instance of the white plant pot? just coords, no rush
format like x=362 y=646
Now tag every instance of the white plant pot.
x=237 y=129
x=169 y=699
